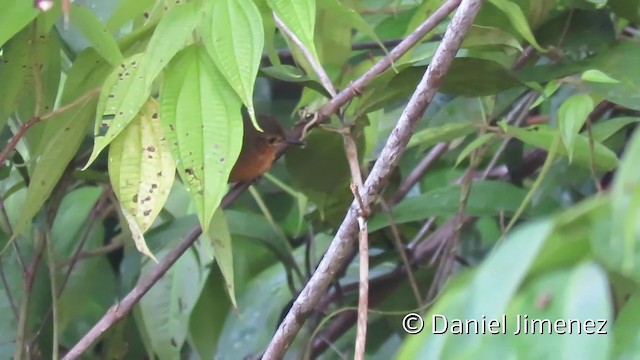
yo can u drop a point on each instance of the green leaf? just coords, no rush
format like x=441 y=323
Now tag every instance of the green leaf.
x=96 y=33
x=603 y=130
x=622 y=246
x=570 y=304
x=14 y=16
x=127 y=11
x=587 y=297
x=15 y=72
x=627 y=329
x=173 y=33
x=543 y=136
x=598 y=76
x=485 y=36
x=476 y=77
x=142 y=171
x=300 y=18
x=200 y=115
x=444 y=201
x=58 y=152
x=618 y=63
x=478 y=142
x=433 y=135
x=234 y=38
x=549 y=89
x=518 y=20
x=123 y=94
x=572 y=115
x=341 y=10
x=293 y=74
x=166 y=309
x=516 y=253
x=220 y=237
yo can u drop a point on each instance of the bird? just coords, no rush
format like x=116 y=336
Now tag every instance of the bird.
x=259 y=149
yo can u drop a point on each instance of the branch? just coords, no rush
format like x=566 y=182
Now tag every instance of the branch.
x=317 y=68
x=342 y=244
x=11 y=145
x=121 y=309
x=110 y=318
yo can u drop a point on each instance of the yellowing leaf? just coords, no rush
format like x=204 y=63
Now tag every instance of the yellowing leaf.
x=141 y=171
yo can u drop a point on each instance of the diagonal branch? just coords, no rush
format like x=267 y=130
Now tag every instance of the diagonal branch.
x=116 y=313
x=343 y=243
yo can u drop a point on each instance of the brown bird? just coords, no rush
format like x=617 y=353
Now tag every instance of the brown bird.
x=259 y=148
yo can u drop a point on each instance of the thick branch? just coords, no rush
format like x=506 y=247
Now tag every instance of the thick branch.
x=122 y=308
x=342 y=244
x=114 y=315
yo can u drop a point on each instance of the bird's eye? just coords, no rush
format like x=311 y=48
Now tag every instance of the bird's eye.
x=272 y=140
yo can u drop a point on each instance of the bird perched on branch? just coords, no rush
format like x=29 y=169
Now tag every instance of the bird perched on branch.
x=259 y=149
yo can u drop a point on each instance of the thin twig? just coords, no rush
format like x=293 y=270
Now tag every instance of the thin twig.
x=397 y=241
x=363 y=293
x=418 y=172
x=7 y=290
x=342 y=244
x=111 y=247
x=317 y=68
x=28 y=281
x=11 y=145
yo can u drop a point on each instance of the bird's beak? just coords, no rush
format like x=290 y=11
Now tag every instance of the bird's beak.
x=295 y=142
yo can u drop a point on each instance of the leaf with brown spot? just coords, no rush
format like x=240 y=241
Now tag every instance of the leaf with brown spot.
x=136 y=176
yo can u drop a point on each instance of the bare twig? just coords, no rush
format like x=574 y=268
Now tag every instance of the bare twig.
x=7 y=291
x=418 y=172
x=317 y=68
x=342 y=244
x=11 y=145
x=363 y=294
x=113 y=246
x=397 y=241
x=29 y=277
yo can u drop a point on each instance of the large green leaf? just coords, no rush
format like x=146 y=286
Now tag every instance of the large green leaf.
x=627 y=329
x=234 y=38
x=300 y=18
x=96 y=33
x=14 y=72
x=220 y=237
x=166 y=309
x=200 y=114
x=172 y=34
x=13 y=17
x=619 y=63
x=58 y=151
x=487 y=198
x=122 y=96
x=518 y=20
x=619 y=246
x=572 y=115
